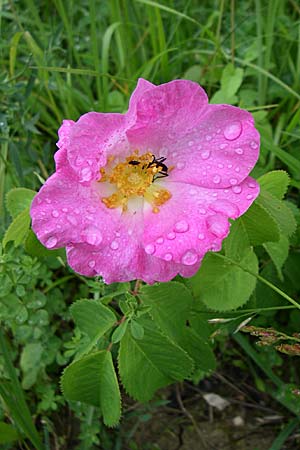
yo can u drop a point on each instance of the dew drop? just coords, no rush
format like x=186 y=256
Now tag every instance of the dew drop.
x=249 y=197
x=189 y=258
x=72 y=219
x=160 y=240
x=201 y=236
x=150 y=249
x=199 y=147
x=92 y=235
x=51 y=242
x=222 y=146
x=218 y=225
x=251 y=185
x=76 y=210
x=237 y=189
x=114 y=245
x=229 y=166
x=65 y=209
x=191 y=143
x=48 y=200
x=86 y=174
x=92 y=264
x=237 y=169
x=233 y=181
x=180 y=165
x=181 y=227
x=202 y=211
x=205 y=154
x=232 y=131
x=171 y=235
x=253 y=144
x=55 y=213
x=79 y=160
x=168 y=257
x=220 y=166
x=239 y=151
x=208 y=137
x=118 y=234
x=216 y=179
x=39 y=200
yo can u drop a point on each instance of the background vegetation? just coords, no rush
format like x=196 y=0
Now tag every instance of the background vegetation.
x=60 y=59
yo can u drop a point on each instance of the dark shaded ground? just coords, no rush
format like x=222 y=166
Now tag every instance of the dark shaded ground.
x=251 y=421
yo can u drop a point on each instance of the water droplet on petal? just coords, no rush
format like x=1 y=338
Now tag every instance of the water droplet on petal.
x=92 y=264
x=191 y=143
x=118 y=234
x=253 y=144
x=202 y=211
x=251 y=185
x=232 y=131
x=201 y=236
x=86 y=174
x=189 y=258
x=79 y=160
x=92 y=235
x=205 y=154
x=181 y=227
x=222 y=146
x=160 y=240
x=216 y=179
x=218 y=225
x=220 y=166
x=237 y=189
x=55 y=213
x=76 y=210
x=150 y=249
x=239 y=151
x=39 y=200
x=249 y=197
x=237 y=169
x=48 y=200
x=71 y=219
x=229 y=166
x=233 y=181
x=65 y=209
x=171 y=235
x=114 y=245
x=180 y=165
x=168 y=257
x=208 y=137
x=51 y=242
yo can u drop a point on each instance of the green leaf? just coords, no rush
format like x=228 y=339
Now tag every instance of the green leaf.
x=93 y=380
x=278 y=252
x=137 y=331
x=280 y=212
x=19 y=199
x=238 y=241
x=275 y=182
x=171 y=306
x=18 y=229
x=230 y=83
x=259 y=225
x=119 y=332
x=222 y=285
x=7 y=433
x=34 y=248
x=150 y=363
x=92 y=318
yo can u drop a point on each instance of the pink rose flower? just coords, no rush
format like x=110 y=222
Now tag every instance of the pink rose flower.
x=144 y=195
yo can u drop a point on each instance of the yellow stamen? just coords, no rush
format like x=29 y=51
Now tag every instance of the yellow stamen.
x=134 y=178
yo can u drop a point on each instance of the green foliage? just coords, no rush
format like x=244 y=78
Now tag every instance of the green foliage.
x=18 y=229
x=19 y=199
x=223 y=285
x=7 y=433
x=231 y=81
x=151 y=363
x=92 y=380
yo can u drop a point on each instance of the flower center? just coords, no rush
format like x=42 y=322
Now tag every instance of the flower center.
x=135 y=178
